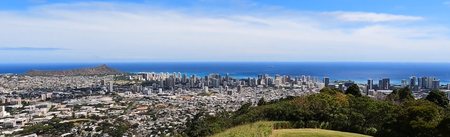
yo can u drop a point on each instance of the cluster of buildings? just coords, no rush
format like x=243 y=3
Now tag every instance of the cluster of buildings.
x=157 y=104
x=153 y=104
x=420 y=86
x=173 y=81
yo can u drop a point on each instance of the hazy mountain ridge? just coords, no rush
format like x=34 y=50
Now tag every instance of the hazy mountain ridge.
x=99 y=70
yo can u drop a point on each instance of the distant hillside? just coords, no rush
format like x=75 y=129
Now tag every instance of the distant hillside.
x=100 y=70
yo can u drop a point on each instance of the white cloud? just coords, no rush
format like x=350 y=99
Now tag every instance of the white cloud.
x=372 y=17
x=105 y=31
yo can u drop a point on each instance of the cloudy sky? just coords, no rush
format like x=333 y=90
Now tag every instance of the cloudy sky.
x=224 y=30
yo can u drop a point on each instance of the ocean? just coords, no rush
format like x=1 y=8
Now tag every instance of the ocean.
x=358 y=72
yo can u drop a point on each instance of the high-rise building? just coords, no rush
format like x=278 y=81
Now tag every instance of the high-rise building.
x=435 y=84
x=412 y=83
x=430 y=82
x=380 y=84
x=419 y=83
x=423 y=82
x=369 y=84
x=426 y=82
x=239 y=89
x=326 y=80
x=384 y=84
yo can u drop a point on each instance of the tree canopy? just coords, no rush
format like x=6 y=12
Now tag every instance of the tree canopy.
x=400 y=95
x=353 y=90
x=334 y=110
x=438 y=97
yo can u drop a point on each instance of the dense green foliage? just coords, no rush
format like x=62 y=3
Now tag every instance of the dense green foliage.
x=353 y=90
x=401 y=115
x=52 y=127
x=116 y=129
x=400 y=95
x=438 y=98
x=415 y=118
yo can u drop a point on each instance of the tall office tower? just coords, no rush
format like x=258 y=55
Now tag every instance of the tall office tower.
x=384 y=84
x=435 y=84
x=216 y=83
x=161 y=82
x=380 y=84
x=269 y=82
x=448 y=86
x=423 y=83
x=369 y=84
x=419 y=83
x=184 y=79
x=326 y=80
x=430 y=82
x=239 y=89
x=145 y=76
x=412 y=83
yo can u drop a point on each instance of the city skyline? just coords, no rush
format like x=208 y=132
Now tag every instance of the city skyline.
x=223 y=31
x=221 y=68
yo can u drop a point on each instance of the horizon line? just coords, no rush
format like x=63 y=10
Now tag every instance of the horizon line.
x=114 y=62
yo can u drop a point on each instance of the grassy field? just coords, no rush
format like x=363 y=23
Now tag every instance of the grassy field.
x=258 y=129
x=312 y=133
x=265 y=129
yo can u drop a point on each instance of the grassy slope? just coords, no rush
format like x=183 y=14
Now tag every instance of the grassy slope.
x=264 y=129
x=312 y=133
x=258 y=129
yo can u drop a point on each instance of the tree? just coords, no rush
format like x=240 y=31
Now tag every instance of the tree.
x=417 y=118
x=444 y=126
x=328 y=90
x=405 y=94
x=261 y=102
x=400 y=95
x=244 y=108
x=438 y=98
x=367 y=115
x=353 y=90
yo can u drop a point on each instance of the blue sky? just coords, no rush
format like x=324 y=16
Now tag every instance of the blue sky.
x=224 y=30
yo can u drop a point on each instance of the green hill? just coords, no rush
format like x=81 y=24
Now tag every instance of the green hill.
x=266 y=129
x=312 y=133
x=258 y=129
